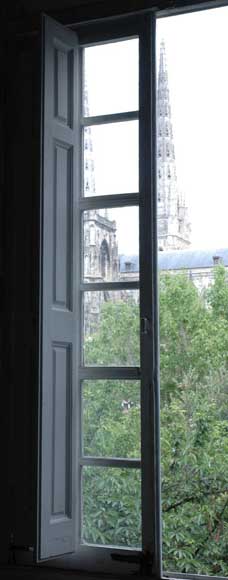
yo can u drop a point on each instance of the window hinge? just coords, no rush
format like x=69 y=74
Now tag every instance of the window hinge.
x=16 y=548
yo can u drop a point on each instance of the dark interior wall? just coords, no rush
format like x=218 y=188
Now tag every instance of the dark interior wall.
x=19 y=249
x=21 y=266
x=4 y=406
x=24 y=15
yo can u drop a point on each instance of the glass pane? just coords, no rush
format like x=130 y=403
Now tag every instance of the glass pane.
x=192 y=117
x=110 y=255
x=111 y=328
x=111 y=418
x=111 y=78
x=111 y=506
x=111 y=158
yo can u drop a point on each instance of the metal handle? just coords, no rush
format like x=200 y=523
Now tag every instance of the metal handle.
x=145 y=325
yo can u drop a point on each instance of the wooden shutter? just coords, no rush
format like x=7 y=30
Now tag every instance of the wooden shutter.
x=58 y=327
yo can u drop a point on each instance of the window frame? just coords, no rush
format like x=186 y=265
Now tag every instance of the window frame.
x=119 y=29
x=148 y=559
x=144 y=26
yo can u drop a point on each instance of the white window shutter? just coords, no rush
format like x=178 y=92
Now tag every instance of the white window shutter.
x=60 y=138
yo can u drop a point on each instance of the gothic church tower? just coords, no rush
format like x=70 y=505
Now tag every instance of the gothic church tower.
x=100 y=243
x=173 y=222
x=101 y=261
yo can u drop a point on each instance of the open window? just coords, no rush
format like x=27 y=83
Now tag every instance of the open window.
x=97 y=490
x=104 y=167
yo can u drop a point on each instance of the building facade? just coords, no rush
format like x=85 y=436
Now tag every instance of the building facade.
x=198 y=265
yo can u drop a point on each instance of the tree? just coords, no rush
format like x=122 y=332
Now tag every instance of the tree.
x=194 y=426
x=217 y=294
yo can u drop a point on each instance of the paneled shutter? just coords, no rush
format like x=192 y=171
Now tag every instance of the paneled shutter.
x=59 y=325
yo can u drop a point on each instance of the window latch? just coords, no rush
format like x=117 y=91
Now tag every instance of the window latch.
x=145 y=325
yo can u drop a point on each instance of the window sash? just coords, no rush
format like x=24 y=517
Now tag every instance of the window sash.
x=148 y=372
x=92 y=372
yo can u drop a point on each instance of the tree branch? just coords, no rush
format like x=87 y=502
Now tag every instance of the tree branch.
x=194 y=498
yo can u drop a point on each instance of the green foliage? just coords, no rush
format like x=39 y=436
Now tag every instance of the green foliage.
x=108 y=430
x=194 y=480
x=217 y=295
x=112 y=496
x=194 y=426
x=192 y=338
x=116 y=341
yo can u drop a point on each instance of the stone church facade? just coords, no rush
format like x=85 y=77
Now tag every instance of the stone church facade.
x=100 y=235
x=101 y=262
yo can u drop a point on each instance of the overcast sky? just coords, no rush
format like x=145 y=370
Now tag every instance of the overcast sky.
x=197 y=59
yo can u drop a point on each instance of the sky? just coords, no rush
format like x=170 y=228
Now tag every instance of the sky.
x=197 y=51
x=197 y=56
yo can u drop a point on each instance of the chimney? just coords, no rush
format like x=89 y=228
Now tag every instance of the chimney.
x=217 y=260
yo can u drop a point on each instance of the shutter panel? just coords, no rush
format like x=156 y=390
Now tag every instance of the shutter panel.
x=59 y=176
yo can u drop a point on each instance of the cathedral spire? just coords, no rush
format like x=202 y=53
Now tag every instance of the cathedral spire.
x=173 y=223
